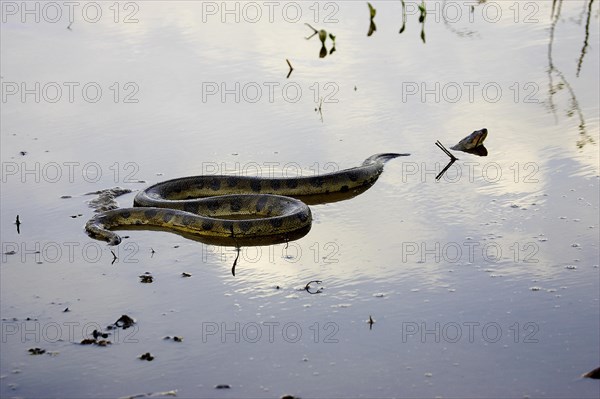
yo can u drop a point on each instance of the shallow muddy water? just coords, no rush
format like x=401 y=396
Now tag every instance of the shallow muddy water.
x=484 y=283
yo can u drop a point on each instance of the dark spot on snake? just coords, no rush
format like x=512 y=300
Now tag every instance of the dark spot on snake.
x=235 y=205
x=291 y=183
x=303 y=216
x=353 y=176
x=344 y=189
x=316 y=181
x=275 y=184
x=125 y=214
x=255 y=186
x=276 y=222
x=228 y=226
x=215 y=184
x=245 y=225
x=213 y=205
x=138 y=222
x=191 y=207
x=207 y=225
x=232 y=181
x=187 y=220
x=150 y=213
x=166 y=217
x=261 y=203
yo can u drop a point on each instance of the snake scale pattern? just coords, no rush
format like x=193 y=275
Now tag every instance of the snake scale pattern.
x=235 y=206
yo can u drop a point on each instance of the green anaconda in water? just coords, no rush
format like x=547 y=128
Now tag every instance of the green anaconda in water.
x=236 y=206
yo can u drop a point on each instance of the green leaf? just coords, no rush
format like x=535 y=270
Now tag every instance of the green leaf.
x=372 y=10
x=322 y=35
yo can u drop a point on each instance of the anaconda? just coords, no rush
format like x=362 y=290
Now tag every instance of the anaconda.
x=236 y=206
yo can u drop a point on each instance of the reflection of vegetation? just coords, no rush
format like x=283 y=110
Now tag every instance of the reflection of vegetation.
x=574 y=108
x=464 y=32
x=322 y=37
x=403 y=17
x=372 y=27
x=319 y=109
x=587 y=35
x=422 y=15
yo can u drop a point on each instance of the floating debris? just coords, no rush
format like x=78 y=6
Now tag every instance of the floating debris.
x=342 y=305
x=307 y=287
x=146 y=278
x=370 y=322
x=93 y=341
x=124 y=322
x=147 y=356
x=571 y=267
x=97 y=334
x=223 y=386
x=535 y=288
x=151 y=394
x=184 y=274
x=37 y=351
x=379 y=295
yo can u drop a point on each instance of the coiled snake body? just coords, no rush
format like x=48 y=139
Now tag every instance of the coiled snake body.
x=236 y=206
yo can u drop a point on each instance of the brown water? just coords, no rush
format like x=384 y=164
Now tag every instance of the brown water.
x=482 y=284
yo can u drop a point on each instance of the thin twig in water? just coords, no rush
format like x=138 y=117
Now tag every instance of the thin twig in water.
x=314 y=30
x=307 y=287
x=114 y=257
x=235 y=261
x=291 y=68
x=441 y=147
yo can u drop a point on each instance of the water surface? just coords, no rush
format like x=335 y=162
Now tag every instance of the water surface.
x=481 y=284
